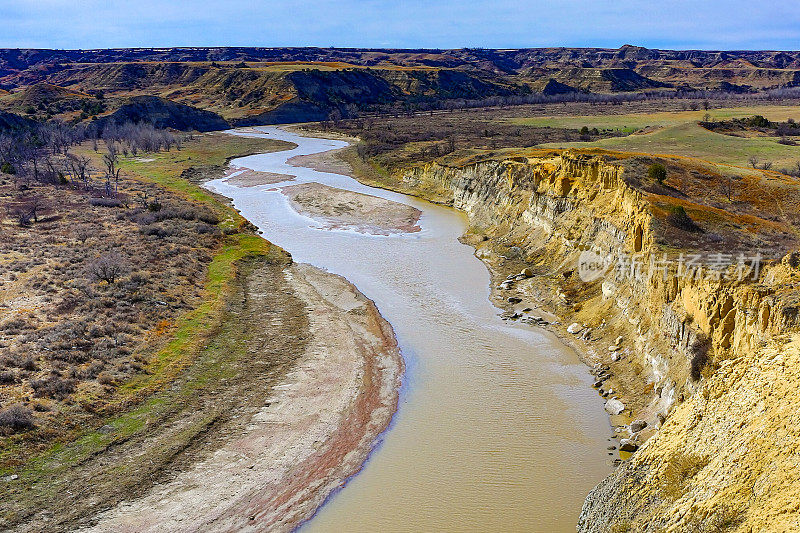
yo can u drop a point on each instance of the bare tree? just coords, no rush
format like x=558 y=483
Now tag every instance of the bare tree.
x=753 y=160
x=111 y=160
x=728 y=187
x=26 y=210
x=109 y=267
x=79 y=166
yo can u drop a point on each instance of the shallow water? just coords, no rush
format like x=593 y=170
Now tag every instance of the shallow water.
x=498 y=428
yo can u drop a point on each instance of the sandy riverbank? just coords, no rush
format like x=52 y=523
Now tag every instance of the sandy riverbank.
x=323 y=162
x=246 y=177
x=340 y=209
x=312 y=432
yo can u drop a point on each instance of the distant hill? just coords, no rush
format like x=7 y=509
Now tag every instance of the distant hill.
x=269 y=85
x=43 y=92
x=162 y=113
x=10 y=121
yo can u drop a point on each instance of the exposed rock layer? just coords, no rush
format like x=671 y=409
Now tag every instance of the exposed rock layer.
x=706 y=465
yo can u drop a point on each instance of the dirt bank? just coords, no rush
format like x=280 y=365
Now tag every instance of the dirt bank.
x=310 y=433
x=338 y=208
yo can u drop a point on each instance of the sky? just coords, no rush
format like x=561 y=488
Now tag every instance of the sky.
x=674 y=24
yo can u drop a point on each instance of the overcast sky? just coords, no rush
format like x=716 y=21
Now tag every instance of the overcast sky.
x=733 y=24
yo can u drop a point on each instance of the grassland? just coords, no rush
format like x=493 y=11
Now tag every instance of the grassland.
x=678 y=133
x=630 y=122
x=186 y=350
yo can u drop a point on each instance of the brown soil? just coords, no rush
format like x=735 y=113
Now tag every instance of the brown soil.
x=337 y=208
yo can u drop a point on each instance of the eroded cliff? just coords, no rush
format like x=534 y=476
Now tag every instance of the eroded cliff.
x=685 y=325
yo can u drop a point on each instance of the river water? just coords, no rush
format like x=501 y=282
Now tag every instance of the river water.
x=498 y=428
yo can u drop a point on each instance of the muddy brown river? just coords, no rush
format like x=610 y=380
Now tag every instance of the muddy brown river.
x=498 y=428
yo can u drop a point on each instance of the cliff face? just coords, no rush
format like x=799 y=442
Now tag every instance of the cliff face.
x=702 y=359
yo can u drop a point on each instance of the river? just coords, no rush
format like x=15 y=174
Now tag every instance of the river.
x=498 y=428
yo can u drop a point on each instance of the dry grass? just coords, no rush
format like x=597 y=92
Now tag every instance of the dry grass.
x=84 y=289
x=91 y=294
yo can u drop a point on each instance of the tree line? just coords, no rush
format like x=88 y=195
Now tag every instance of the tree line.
x=44 y=154
x=696 y=98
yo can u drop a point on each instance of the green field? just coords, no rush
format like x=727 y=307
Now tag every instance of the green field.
x=679 y=134
x=629 y=122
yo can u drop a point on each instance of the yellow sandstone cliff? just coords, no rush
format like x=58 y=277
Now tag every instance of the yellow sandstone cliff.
x=701 y=358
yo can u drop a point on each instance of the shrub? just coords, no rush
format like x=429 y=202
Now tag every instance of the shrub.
x=105 y=202
x=657 y=172
x=140 y=278
x=203 y=228
x=7 y=377
x=680 y=469
x=157 y=231
x=7 y=168
x=16 y=418
x=53 y=387
x=208 y=217
x=757 y=121
x=680 y=219
x=621 y=526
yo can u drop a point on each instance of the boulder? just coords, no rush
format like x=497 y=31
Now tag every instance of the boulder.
x=627 y=445
x=609 y=289
x=638 y=425
x=614 y=406
x=526 y=272
x=574 y=328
